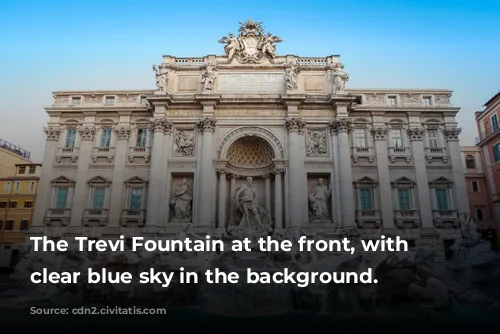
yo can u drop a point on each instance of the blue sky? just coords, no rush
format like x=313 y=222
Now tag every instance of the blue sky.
x=69 y=45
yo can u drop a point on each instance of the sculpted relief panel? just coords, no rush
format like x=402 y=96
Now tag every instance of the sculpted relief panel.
x=317 y=143
x=184 y=142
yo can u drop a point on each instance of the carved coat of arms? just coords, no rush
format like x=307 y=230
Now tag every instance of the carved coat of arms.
x=252 y=44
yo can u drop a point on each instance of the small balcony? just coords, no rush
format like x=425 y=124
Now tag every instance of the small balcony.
x=91 y=215
x=139 y=152
x=362 y=152
x=133 y=216
x=432 y=153
x=107 y=153
x=67 y=153
x=445 y=216
x=368 y=217
x=406 y=216
x=61 y=215
x=399 y=153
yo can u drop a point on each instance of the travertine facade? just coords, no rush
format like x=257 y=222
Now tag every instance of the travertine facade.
x=319 y=155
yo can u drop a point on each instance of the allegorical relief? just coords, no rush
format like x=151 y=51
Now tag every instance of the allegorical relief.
x=181 y=202
x=251 y=45
x=317 y=143
x=318 y=203
x=184 y=142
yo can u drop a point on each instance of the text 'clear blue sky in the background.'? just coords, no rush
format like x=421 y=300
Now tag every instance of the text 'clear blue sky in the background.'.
x=71 y=45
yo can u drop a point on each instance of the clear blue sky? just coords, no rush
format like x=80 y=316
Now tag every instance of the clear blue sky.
x=66 y=45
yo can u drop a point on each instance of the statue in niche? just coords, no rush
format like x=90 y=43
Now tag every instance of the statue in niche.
x=161 y=77
x=318 y=202
x=249 y=216
x=339 y=78
x=316 y=144
x=184 y=143
x=291 y=75
x=208 y=78
x=181 y=202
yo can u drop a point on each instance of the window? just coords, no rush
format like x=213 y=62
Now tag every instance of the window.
x=135 y=199
x=469 y=162
x=494 y=122
x=496 y=152
x=3 y=205
x=13 y=205
x=70 y=138
x=17 y=186
x=404 y=199
x=110 y=100
x=98 y=198
x=475 y=186
x=432 y=135
x=22 y=169
x=360 y=138
x=144 y=100
x=366 y=199
x=28 y=204
x=7 y=186
x=106 y=138
x=442 y=199
x=32 y=169
x=479 y=214
x=10 y=225
x=32 y=186
x=24 y=225
x=393 y=101
x=76 y=101
x=61 y=197
x=396 y=138
x=427 y=100
x=142 y=135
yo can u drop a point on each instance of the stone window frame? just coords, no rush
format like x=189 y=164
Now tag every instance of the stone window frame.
x=98 y=182
x=404 y=183
x=76 y=98
x=401 y=125
x=443 y=183
x=434 y=124
x=60 y=182
x=136 y=183
x=469 y=158
x=69 y=124
x=396 y=97
x=141 y=123
x=110 y=98
x=367 y=182
x=431 y=99
x=358 y=124
x=100 y=126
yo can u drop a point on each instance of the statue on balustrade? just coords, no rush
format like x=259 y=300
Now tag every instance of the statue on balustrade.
x=249 y=216
x=181 y=202
x=318 y=202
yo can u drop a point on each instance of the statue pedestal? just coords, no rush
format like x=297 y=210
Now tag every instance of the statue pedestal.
x=320 y=221
x=180 y=221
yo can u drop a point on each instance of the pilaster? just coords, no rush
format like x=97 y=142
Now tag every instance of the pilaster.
x=452 y=137
x=207 y=176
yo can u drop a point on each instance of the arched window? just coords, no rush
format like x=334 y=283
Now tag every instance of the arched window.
x=469 y=161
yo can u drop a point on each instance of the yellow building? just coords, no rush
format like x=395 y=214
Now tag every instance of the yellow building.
x=17 y=204
x=10 y=155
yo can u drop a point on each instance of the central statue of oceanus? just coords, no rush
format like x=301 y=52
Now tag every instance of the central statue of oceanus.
x=251 y=45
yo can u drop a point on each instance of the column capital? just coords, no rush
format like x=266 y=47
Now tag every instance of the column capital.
x=221 y=170
x=52 y=133
x=295 y=124
x=159 y=124
x=87 y=132
x=340 y=124
x=278 y=171
x=267 y=176
x=233 y=176
x=122 y=132
x=379 y=133
x=207 y=124
x=452 y=134
x=416 y=134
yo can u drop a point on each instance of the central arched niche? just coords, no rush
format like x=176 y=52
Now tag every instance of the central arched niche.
x=250 y=152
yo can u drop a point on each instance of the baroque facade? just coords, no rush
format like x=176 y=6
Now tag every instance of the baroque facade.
x=251 y=138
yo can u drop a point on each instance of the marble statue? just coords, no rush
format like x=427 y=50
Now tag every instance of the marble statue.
x=208 y=79
x=340 y=78
x=161 y=77
x=184 y=143
x=318 y=202
x=291 y=75
x=316 y=143
x=181 y=202
x=249 y=216
x=268 y=45
x=232 y=45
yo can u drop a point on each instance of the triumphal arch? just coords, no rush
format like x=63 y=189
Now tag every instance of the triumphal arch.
x=252 y=139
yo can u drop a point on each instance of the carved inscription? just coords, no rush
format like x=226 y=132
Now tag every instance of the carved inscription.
x=250 y=82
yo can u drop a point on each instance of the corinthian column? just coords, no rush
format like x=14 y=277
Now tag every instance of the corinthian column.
x=165 y=218
x=416 y=135
x=207 y=191
x=155 y=202
x=295 y=127
x=336 y=194
x=384 y=180
x=343 y=126
x=452 y=135
x=222 y=197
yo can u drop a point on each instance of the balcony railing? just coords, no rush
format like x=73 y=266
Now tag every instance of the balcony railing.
x=362 y=152
x=103 y=152
x=368 y=216
x=58 y=213
x=488 y=133
x=14 y=149
x=441 y=216
x=399 y=152
x=133 y=216
x=402 y=216
x=139 y=152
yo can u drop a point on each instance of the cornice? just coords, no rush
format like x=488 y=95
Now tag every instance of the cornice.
x=93 y=109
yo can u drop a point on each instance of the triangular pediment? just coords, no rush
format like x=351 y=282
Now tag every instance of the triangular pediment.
x=404 y=180
x=366 y=180
x=442 y=179
x=62 y=179
x=98 y=179
x=136 y=179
